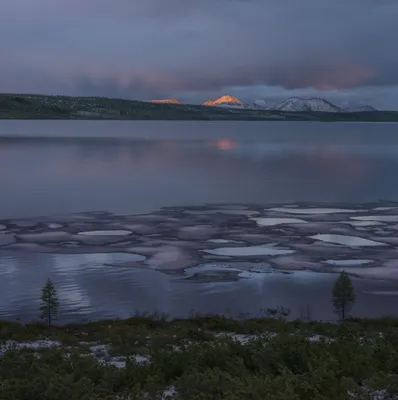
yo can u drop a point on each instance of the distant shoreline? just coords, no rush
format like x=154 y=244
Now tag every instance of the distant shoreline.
x=43 y=107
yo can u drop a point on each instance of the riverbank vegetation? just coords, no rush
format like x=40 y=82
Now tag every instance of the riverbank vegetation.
x=203 y=357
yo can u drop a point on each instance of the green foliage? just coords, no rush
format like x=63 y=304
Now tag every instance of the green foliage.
x=201 y=358
x=343 y=295
x=50 y=303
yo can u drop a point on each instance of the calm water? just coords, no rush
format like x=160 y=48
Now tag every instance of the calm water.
x=130 y=167
x=52 y=167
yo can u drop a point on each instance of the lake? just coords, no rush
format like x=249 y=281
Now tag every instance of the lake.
x=51 y=170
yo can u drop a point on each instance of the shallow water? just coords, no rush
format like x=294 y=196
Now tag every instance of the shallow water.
x=90 y=287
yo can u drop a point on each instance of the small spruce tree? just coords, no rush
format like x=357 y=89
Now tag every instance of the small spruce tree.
x=50 y=302
x=343 y=295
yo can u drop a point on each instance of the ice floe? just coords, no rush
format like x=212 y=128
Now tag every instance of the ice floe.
x=106 y=233
x=347 y=240
x=312 y=210
x=363 y=223
x=261 y=250
x=277 y=221
x=348 y=263
x=383 y=218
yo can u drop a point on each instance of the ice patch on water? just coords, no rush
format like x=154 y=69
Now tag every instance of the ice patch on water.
x=383 y=208
x=2 y=227
x=53 y=225
x=105 y=233
x=277 y=221
x=347 y=263
x=312 y=210
x=384 y=218
x=363 y=223
x=261 y=250
x=346 y=240
x=220 y=241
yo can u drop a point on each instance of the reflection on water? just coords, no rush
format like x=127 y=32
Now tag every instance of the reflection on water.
x=136 y=167
x=94 y=286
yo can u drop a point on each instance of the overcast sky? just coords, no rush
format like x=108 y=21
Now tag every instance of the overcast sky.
x=342 y=50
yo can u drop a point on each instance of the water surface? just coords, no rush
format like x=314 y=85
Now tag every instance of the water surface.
x=62 y=167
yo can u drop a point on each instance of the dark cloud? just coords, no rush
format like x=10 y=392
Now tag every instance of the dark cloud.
x=155 y=48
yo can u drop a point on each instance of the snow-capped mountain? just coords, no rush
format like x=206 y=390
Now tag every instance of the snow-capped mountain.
x=299 y=104
x=293 y=104
x=226 y=100
x=167 y=101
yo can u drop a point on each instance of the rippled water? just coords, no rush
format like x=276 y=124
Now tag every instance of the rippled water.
x=90 y=287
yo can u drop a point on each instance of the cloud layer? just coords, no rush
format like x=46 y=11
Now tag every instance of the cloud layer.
x=159 y=48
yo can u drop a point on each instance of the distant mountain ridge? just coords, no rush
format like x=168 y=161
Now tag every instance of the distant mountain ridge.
x=292 y=104
x=167 y=101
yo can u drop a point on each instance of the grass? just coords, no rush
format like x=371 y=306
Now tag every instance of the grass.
x=203 y=357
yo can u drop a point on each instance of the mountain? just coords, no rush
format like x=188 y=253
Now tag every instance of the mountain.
x=299 y=104
x=224 y=101
x=167 y=101
x=293 y=104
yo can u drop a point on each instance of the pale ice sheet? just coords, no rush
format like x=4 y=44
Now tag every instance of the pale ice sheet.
x=312 y=210
x=106 y=233
x=219 y=241
x=383 y=218
x=277 y=221
x=261 y=250
x=347 y=240
x=363 y=223
x=348 y=263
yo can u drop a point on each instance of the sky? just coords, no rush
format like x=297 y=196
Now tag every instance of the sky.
x=343 y=50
